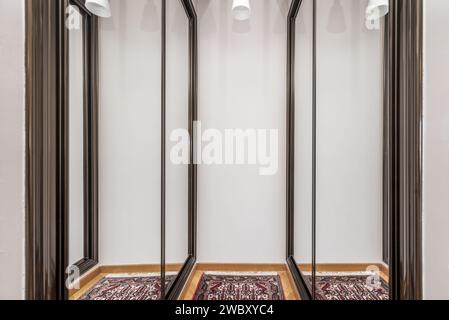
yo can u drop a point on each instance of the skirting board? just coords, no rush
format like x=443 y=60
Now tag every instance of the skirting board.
x=343 y=267
x=347 y=267
x=240 y=267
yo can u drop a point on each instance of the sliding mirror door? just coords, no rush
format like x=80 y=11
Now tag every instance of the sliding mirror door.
x=178 y=153
x=336 y=153
x=349 y=154
x=130 y=151
x=130 y=65
x=303 y=141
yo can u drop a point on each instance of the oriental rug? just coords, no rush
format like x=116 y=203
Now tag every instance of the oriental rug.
x=239 y=286
x=128 y=287
x=349 y=286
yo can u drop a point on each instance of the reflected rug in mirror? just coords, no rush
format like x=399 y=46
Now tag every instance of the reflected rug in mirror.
x=349 y=286
x=128 y=287
x=239 y=286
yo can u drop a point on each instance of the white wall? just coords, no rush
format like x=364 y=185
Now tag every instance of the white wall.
x=129 y=146
x=12 y=154
x=242 y=85
x=177 y=109
x=349 y=134
x=242 y=74
x=436 y=151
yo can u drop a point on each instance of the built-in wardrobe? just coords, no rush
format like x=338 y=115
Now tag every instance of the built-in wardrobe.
x=352 y=149
x=352 y=219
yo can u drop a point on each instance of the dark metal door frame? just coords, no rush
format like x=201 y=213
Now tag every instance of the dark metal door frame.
x=47 y=154
x=402 y=185
x=291 y=49
x=403 y=102
x=46 y=198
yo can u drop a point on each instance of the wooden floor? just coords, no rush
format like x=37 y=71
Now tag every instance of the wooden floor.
x=290 y=292
x=95 y=276
x=288 y=285
x=92 y=278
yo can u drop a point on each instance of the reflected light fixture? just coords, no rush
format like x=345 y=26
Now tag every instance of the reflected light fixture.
x=99 y=8
x=241 y=9
x=377 y=9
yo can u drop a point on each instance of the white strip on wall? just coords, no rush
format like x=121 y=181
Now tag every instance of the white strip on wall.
x=12 y=152
x=436 y=151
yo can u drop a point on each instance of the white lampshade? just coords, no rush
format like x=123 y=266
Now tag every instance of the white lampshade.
x=241 y=10
x=377 y=9
x=99 y=8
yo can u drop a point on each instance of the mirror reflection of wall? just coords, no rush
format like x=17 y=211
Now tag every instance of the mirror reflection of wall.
x=130 y=147
x=76 y=141
x=349 y=152
x=303 y=138
x=349 y=155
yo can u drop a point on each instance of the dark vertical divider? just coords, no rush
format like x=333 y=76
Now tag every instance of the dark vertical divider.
x=46 y=103
x=314 y=148
x=293 y=266
x=163 y=141
x=403 y=154
x=47 y=147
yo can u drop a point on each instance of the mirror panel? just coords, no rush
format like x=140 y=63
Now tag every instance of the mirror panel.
x=339 y=153
x=349 y=156
x=303 y=140
x=76 y=140
x=177 y=134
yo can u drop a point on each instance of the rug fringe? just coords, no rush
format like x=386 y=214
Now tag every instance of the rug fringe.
x=341 y=274
x=139 y=275
x=228 y=273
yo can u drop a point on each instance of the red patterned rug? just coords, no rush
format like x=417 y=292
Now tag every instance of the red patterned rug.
x=127 y=288
x=237 y=287
x=349 y=287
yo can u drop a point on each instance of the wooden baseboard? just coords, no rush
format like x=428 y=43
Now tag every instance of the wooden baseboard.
x=245 y=267
x=140 y=268
x=84 y=280
x=343 y=267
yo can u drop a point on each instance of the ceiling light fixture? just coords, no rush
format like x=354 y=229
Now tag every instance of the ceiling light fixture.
x=99 y=8
x=377 y=9
x=241 y=10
